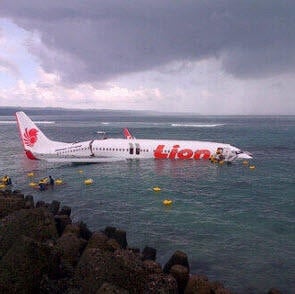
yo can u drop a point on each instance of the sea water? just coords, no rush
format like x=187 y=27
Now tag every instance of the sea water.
x=236 y=224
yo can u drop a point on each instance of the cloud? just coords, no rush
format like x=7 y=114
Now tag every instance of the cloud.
x=90 y=41
x=48 y=91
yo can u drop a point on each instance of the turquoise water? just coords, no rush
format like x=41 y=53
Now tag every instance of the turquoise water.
x=237 y=225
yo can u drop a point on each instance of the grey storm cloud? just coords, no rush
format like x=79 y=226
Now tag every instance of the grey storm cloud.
x=93 y=40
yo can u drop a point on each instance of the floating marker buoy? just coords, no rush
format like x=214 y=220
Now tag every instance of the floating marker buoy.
x=245 y=162
x=252 y=166
x=88 y=182
x=2 y=186
x=58 y=181
x=80 y=171
x=167 y=202
x=157 y=189
x=33 y=184
x=31 y=174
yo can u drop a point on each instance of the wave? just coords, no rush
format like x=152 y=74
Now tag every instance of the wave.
x=11 y=122
x=201 y=125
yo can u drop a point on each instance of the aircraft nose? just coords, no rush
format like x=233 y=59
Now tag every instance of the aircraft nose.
x=244 y=155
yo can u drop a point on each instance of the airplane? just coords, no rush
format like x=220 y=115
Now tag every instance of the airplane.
x=38 y=147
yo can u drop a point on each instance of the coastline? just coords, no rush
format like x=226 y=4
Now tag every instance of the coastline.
x=42 y=250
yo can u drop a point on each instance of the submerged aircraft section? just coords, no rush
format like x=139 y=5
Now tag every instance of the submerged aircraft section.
x=38 y=146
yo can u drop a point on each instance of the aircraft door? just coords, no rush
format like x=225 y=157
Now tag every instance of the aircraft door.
x=131 y=149
x=137 y=149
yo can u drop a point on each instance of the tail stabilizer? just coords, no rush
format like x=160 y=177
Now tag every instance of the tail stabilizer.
x=33 y=139
x=127 y=134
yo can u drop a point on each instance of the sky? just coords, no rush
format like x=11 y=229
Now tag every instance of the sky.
x=194 y=56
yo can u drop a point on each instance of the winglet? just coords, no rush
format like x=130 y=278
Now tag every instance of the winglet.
x=127 y=134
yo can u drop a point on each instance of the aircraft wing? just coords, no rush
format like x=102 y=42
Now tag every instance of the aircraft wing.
x=84 y=160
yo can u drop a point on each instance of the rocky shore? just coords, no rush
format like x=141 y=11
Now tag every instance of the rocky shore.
x=43 y=251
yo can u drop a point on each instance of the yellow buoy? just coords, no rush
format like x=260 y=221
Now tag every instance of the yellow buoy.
x=167 y=202
x=252 y=166
x=2 y=186
x=80 y=171
x=58 y=181
x=33 y=184
x=156 y=189
x=245 y=162
x=88 y=182
x=31 y=174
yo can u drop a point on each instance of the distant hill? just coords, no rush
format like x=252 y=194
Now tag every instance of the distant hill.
x=8 y=111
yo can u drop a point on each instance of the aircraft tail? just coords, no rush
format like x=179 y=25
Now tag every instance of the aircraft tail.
x=33 y=139
x=127 y=134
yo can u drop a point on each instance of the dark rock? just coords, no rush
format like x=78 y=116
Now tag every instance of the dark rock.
x=10 y=203
x=54 y=207
x=152 y=267
x=29 y=202
x=72 y=229
x=22 y=267
x=101 y=241
x=134 y=250
x=149 y=253
x=122 y=268
x=274 y=291
x=70 y=248
x=178 y=257
x=160 y=283
x=61 y=222
x=198 y=284
x=65 y=210
x=85 y=233
x=18 y=192
x=118 y=235
x=40 y=203
x=113 y=245
x=181 y=275
x=36 y=223
x=107 y=288
x=201 y=284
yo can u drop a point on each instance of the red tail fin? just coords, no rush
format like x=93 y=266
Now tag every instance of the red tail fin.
x=127 y=134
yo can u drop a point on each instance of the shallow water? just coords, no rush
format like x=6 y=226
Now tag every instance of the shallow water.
x=237 y=225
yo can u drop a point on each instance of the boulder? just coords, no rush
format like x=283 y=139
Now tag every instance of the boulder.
x=201 y=284
x=65 y=210
x=181 y=275
x=121 y=268
x=274 y=291
x=152 y=267
x=160 y=283
x=10 y=203
x=149 y=253
x=40 y=203
x=24 y=264
x=36 y=223
x=85 y=233
x=70 y=248
x=61 y=221
x=29 y=202
x=198 y=284
x=178 y=257
x=118 y=235
x=54 y=207
x=107 y=288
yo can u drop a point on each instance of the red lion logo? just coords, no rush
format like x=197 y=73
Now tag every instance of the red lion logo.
x=30 y=137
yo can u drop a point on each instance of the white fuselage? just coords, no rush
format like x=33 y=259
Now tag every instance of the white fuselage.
x=108 y=149
x=38 y=146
